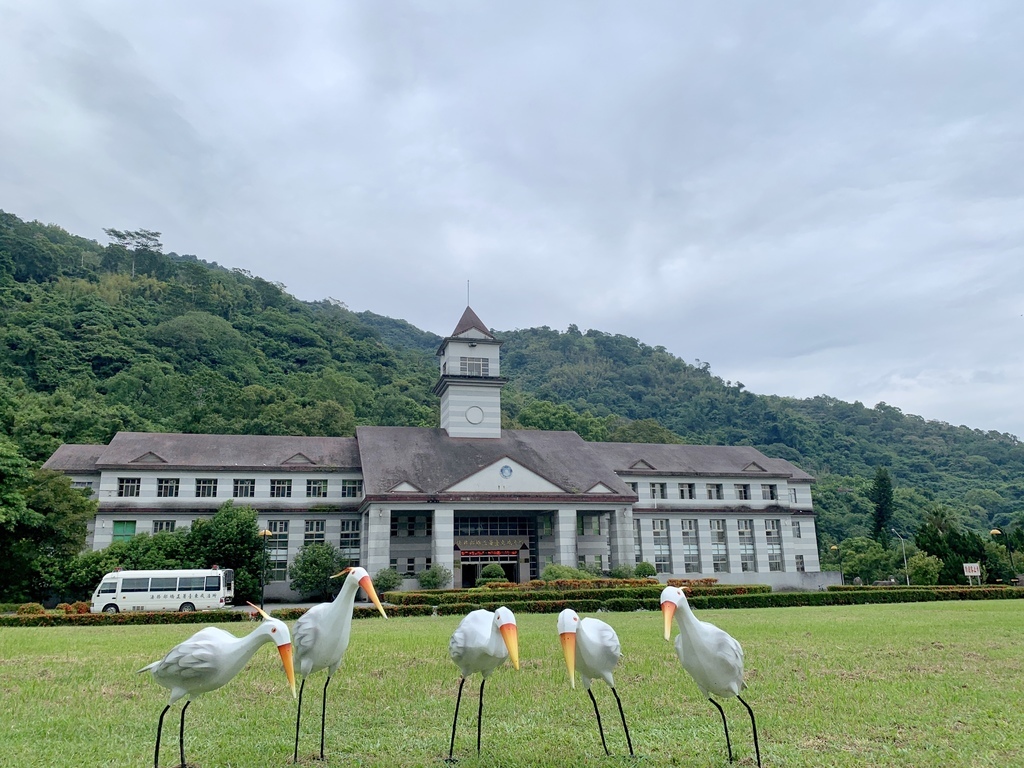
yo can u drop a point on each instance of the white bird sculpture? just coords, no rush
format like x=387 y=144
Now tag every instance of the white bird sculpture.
x=208 y=660
x=712 y=656
x=481 y=643
x=592 y=647
x=322 y=635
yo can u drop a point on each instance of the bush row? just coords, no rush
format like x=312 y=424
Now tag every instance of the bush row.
x=361 y=612
x=644 y=590
x=120 y=619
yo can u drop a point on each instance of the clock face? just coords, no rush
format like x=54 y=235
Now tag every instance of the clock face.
x=474 y=414
x=506 y=471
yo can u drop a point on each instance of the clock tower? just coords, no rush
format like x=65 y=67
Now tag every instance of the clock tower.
x=470 y=382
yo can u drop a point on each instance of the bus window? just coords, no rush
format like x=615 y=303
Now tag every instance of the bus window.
x=163 y=584
x=213 y=583
x=191 y=583
x=108 y=587
x=135 y=585
x=229 y=578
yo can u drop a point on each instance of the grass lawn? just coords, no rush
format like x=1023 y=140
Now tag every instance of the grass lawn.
x=922 y=684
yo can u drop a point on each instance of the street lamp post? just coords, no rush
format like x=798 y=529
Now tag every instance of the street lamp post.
x=839 y=552
x=263 y=565
x=1009 y=549
x=903 y=543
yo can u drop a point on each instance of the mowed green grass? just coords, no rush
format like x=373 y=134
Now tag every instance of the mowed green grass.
x=928 y=684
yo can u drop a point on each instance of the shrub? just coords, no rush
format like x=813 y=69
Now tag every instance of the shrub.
x=556 y=572
x=80 y=606
x=435 y=577
x=386 y=579
x=645 y=569
x=312 y=570
x=624 y=571
x=491 y=571
x=30 y=609
x=65 y=608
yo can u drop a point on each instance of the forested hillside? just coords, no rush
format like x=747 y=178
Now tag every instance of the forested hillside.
x=100 y=338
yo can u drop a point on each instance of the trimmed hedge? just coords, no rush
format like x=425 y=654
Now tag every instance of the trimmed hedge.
x=647 y=590
x=121 y=619
x=362 y=612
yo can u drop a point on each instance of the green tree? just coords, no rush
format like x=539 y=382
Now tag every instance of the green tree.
x=645 y=570
x=435 y=577
x=230 y=539
x=313 y=570
x=386 y=580
x=881 y=496
x=924 y=569
x=868 y=559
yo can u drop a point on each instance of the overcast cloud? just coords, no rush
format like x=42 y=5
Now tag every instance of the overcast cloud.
x=814 y=197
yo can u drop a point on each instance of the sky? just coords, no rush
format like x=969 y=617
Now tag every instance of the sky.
x=812 y=197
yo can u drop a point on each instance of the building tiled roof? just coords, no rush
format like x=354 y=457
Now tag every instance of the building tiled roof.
x=470 y=321
x=213 y=452
x=75 y=458
x=431 y=461
x=737 y=461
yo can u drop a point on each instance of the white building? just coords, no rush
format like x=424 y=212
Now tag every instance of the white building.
x=469 y=493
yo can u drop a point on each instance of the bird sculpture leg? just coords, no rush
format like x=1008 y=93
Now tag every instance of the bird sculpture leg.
x=458 y=700
x=323 y=717
x=599 y=728
x=298 y=716
x=181 y=735
x=622 y=714
x=479 y=715
x=159 y=728
x=728 y=744
x=757 y=747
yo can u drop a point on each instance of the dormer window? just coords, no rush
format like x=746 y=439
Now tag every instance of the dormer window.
x=473 y=366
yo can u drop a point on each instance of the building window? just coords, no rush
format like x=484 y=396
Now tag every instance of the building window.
x=544 y=525
x=634 y=488
x=243 y=489
x=742 y=491
x=687 y=491
x=82 y=484
x=316 y=489
x=277 y=550
x=773 y=533
x=163 y=526
x=690 y=548
x=167 y=487
x=410 y=566
x=796 y=529
x=599 y=562
x=123 y=530
x=637 y=539
x=474 y=366
x=800 y=564
x=351 y=489
x=128 y=486
x=770 y=492
x=748 y=559
x=280 y=489
x=659 y=490
x=315 y=532
x=588 y=525
x=581 y=561
x=792 y=495
x=715 y=491
x=206 y=487
x=348 y=546
x=719 y=547
x=662 y=554
x=403 y=526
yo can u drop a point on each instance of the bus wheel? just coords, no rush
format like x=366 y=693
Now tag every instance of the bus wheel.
x=110 y=608
x=186 y=608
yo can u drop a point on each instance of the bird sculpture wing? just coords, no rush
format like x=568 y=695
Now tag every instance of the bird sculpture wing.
x=714 y=659
x=306 y=636
x=193 y=659
x=468 y=644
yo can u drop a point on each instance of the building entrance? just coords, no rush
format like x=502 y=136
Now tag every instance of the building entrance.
x=509 y=541
x=471 y=571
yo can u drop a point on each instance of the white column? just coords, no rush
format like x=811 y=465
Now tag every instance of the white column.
x=443 y=545
x=565 y=536
x=620 y=539
x=788 y=553
x=704 y=545
x=732 y=538
x=378 y=539
x=761 y=544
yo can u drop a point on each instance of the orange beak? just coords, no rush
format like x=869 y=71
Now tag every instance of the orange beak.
x=289 y=670
x=510 y=635
x=568 y=640
x=367 y=584
x=669 y=610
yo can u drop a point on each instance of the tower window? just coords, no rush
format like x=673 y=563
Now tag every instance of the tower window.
x=474 y=366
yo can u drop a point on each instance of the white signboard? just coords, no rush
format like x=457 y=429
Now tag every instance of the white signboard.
x=972 y=569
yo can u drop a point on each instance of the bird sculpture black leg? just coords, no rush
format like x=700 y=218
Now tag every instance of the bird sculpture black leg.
x=298 y=716
x=599 y=728
x=757 y=747
x=159 y=728
x=458 y=700
x=728 y=744
x=181 y=735
x=622 y=714
x=479 y=715
x=323 y=717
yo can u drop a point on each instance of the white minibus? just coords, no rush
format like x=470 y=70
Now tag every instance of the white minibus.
x=201 y=589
